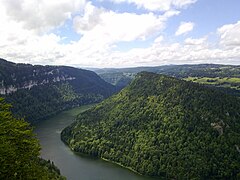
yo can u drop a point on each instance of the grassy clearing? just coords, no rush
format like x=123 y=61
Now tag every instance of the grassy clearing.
x=228 y=82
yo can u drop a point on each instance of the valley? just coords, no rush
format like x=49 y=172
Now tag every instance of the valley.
x=74 y=166
x=164 y=127
x=163 y=122
x=119 y=90
x=38 y=92
x=224 y=77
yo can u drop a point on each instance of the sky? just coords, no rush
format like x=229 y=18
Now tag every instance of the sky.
x=120 y=33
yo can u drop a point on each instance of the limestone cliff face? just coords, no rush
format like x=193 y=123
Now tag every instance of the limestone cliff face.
x=28 y=84
x=37 y=92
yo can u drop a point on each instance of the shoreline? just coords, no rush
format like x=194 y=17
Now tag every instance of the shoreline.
x=104 y=159
x=119 y=164
x=109 y=161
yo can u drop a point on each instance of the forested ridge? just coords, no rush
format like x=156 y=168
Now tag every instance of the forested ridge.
x=19 y=150
x=223 y=77
x=37 y=92
x=164 y=127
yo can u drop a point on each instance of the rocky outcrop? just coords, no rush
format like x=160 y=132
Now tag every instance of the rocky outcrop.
x=8 y=89
x=219 y=126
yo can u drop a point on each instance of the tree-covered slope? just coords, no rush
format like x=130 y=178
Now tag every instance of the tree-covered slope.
x=165 y=127
x=224 y=77
x=19 y=150
x=37 y=92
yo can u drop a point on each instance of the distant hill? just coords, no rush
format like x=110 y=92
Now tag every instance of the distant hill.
x=164 y=127
x=208 y=74
x=37 y=92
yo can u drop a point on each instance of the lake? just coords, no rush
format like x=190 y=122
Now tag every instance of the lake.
x=71 y=165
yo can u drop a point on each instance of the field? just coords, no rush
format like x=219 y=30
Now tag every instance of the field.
x=226 y=82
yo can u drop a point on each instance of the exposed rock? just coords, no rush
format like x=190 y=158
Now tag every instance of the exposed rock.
x=238 y=149
x=219 y=126
x=29 y=84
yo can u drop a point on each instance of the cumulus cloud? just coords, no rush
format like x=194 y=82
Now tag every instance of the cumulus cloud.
x=158 y=5
x=184 y=28
x=21 y=44
x=109 y=26
x=176 y=53
x=159 y=39
x=191 y=41
x=230 y=34
x=41 y=15
x=89 y=20
x=100 y=31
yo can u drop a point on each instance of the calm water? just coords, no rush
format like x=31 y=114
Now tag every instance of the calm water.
x=73 y=166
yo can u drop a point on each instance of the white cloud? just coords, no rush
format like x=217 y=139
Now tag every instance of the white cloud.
x=230 y=34
x=110 y=27
x=176 y=53
x=191 y=41
x=41 y=15
x=184 y=28
x=25 y=45
x=100 y=31
x=159 y=39
x=158 y=5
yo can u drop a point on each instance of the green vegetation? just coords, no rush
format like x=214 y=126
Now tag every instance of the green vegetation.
x=227 y=76
x=19 y=150
x=178 y=71
x=230 y=85
x=37 y=92
x=219 y=82
x=118 y=79
x=164 y=127
x=77 y=110
x=47 y=100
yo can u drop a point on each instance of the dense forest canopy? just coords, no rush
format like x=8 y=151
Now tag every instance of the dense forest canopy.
x=223 y=77
x=37 y=92
x=165 y=127
x=19 y=150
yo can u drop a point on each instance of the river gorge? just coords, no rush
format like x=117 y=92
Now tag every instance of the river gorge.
x=72 y=165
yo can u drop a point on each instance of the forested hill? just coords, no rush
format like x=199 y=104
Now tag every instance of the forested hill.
x=37 y=92
x=224 y=77
x=165 y=127
x=20 y=150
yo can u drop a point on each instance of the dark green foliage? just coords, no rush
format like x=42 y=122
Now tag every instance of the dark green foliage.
x=165 y=127
x=118 y=79
x=19 y=150
x=191 y=72
x=37 y=92
x=178 y=71
x=47 y=100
